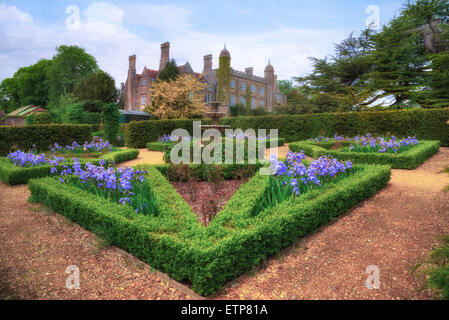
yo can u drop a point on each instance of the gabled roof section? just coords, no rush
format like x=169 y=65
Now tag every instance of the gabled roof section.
x=26 y=111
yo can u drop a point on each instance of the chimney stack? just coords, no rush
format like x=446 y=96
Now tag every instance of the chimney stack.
x=207 y=63
x=165 y=55
x=249 y=71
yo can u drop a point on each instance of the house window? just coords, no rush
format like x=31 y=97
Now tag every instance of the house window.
x=144 y=82
x=208 y=98
x=232 y=101
x=262 y=103
x=233 y=84
x=253 y=103
x=144 y=100
x=253 y=88
x=243 y=101
x=262 y=90
x=243 y=86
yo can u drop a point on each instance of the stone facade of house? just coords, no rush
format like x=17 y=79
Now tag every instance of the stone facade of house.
x=264 y=91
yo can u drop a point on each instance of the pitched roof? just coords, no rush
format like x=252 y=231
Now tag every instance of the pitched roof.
x=25 y=111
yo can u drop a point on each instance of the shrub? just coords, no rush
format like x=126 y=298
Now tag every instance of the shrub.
x=14 y=175
x=232 y=244
x=111 y=117
x=76 y=114
x=424 y=124
x=138 y=134
x=13 y=138
x=409 y=159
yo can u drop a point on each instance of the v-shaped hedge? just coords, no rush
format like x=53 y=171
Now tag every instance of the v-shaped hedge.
x=409 y=159
x=232 y=244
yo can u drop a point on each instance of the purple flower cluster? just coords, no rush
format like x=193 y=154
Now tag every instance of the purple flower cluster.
x=94 y=146
x=295 y=174
x=378 y=144
x=164 y=139
x=30 y=159
x=123 y=185
x=369 y=143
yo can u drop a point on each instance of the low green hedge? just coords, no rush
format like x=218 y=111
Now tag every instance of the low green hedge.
x=23 y=137
x=158 y=146
x=14 y=175
x=424 y=124
x=139 y=133
x=232 y=244
x=405 y=160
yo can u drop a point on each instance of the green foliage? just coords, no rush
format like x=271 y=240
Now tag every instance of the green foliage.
x=224 y=79
x=170 y=72
x=68 y=66
x=233 y=243
x=111 y=117
x=157 y=146
x=40 y=118
x=14 y=175
x=76 y=114
x=425 y=124
x=13 y=138
x=409 y=159
x=29 y=86
x=139 y=133
x=98 y=86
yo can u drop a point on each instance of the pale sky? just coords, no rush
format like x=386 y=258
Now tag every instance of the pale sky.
x=287 y=32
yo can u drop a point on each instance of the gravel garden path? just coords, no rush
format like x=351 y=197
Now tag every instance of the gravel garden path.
x=394 y=230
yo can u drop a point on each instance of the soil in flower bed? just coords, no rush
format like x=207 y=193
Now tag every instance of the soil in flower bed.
x=207 y=199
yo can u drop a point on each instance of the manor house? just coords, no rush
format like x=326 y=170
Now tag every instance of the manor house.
x=263 y=91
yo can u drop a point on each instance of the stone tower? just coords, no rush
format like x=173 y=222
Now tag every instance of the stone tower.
x=270 y=77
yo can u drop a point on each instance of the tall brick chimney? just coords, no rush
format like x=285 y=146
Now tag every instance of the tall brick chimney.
x=165 y=55
x=132 y=65
x=207 y=63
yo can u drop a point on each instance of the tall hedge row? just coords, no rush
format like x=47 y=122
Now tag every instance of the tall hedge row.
x=425 y=124
x=138 y=134
x=23 y=137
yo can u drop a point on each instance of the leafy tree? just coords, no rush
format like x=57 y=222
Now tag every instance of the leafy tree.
x=170 y=72
x=98 y=86
x=29 y=85
x=75 y=114
x=69 y=65
x=286 y=86
x=179 y=98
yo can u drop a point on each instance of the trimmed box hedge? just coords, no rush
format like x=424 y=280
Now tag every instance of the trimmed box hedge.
x=425 y=124
x=409 y=159
x=13 y=138
x=139 y=133
x=14 y=175
x=232 y=244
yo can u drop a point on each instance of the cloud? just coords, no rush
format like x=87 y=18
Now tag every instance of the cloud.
x=166 y=17
x=104 y=32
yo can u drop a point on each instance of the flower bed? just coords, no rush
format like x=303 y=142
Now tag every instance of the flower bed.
x=233 y=243
x=30 y=165
x=406 y=153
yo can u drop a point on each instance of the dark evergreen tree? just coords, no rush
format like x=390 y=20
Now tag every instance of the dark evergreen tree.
x=170 y=72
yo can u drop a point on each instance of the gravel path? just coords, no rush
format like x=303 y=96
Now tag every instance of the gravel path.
x=394 y=230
